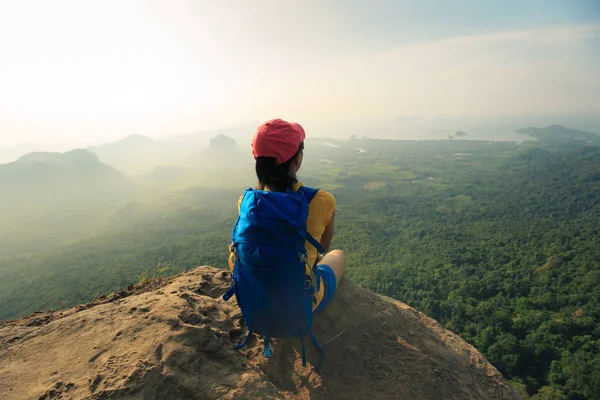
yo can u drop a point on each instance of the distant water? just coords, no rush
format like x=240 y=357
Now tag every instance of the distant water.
x=494 y=137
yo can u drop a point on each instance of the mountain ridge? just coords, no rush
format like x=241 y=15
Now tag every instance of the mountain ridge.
x=51 y=170
x=50 y=197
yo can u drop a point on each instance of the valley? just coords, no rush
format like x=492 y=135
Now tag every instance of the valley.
x=498 y=241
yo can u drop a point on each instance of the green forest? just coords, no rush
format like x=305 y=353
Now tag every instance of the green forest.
x=498 y=241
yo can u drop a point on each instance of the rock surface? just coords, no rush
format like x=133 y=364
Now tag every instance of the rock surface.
x=175 y=341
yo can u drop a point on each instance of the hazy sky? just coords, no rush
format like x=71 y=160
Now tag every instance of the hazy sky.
x=90 y=71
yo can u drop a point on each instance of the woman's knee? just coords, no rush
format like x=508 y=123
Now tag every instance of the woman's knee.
x=337 y=253
x=334 y=257
x=336 y=261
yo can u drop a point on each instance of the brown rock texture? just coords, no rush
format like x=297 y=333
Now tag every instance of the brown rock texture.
x=173 y=339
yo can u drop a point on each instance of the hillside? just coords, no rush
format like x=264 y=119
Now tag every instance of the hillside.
x=34 y=174
x=557 y=137
x=508 y=258
x=49 y=197
x=175 y=342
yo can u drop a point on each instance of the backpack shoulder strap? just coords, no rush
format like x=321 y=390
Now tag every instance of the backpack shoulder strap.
x=309 y=194
x=315 y=243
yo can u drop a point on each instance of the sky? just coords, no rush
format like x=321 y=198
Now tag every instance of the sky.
x=74 y=71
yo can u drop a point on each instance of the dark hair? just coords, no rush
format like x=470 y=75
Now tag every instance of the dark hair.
x=276 y=177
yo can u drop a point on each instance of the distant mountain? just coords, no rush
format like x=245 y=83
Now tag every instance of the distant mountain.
x=223 y=152
x=140 y=155
x=240 y=133
x=222 y=143
x=48 y=197
x=559 y=131
x=134 y=154
x=76 y=171
x=129 y=143
x=12 y=153
x=460 y=133
x=557 y=137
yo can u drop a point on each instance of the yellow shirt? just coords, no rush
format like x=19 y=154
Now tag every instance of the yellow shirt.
x=320 y=211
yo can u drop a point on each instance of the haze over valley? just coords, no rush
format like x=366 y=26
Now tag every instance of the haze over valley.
x=460 y=140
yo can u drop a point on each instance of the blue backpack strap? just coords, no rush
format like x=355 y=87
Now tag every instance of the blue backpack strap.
x=318 y=346
x=266 y=341
x=309 y=194
x=314 y=242
x=229 y=293
x=303 y=351
x=245 y=342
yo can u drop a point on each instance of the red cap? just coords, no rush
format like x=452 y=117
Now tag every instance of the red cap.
x=279 y=139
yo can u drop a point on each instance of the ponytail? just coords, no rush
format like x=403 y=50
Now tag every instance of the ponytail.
x=273 y=176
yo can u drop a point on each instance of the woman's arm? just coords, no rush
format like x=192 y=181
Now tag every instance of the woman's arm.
x=328 y=233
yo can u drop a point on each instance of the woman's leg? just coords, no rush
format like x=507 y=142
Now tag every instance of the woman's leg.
x=336 y=261
x=329 y=272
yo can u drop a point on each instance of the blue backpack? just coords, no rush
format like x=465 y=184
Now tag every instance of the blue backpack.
x=272 y=281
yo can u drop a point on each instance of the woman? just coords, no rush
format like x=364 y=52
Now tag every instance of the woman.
x=278 y=148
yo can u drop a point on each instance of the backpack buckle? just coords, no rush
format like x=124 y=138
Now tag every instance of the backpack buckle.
x=302 y=257
x=307 y=284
